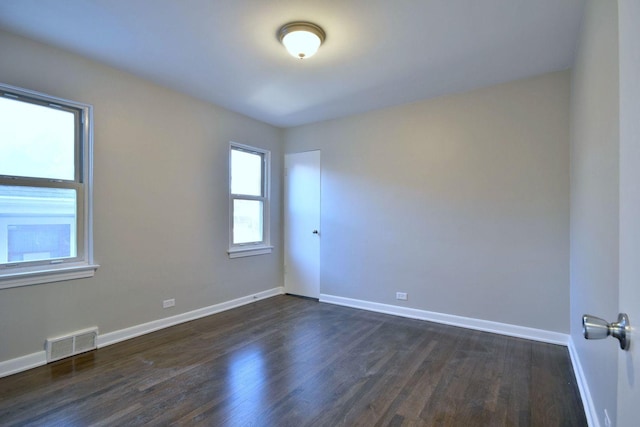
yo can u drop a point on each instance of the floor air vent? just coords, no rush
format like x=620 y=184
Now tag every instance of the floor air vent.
x=70 y=345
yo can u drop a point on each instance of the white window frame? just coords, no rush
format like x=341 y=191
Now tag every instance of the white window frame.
x=81 y=266
x=258 y=248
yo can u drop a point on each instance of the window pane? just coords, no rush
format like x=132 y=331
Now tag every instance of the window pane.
x=246 y=173
x=37 y=223
x=247 y=221
x=36 y=141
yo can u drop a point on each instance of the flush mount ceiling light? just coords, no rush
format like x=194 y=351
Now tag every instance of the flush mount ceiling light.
x=302 y=39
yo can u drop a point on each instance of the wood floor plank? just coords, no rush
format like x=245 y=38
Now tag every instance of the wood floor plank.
x=287 y=361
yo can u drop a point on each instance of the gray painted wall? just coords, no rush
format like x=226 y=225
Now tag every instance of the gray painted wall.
x=161 y=203
x=461 y=201
x=594 y=196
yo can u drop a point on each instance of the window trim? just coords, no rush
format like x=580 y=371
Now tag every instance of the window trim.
x=82 y=265
x=258 y=248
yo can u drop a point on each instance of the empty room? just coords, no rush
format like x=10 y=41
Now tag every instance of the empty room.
x=319 y=213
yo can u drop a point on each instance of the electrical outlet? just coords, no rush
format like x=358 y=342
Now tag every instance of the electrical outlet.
x=401 y=295
x=168 y=303
x=607 y=420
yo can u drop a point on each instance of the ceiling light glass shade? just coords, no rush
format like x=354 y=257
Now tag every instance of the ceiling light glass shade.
x=301 y=44
x=301 y=39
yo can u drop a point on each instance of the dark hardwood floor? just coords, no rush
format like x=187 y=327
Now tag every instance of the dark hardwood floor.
x=288 y=361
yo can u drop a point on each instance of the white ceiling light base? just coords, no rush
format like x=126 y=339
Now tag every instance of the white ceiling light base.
x=301 y=39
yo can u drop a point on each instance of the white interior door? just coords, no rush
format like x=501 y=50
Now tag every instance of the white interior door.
x=629 y=286
x=302 y=224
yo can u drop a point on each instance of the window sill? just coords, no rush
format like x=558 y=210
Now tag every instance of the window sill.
x=249 y=251
x=26 y=278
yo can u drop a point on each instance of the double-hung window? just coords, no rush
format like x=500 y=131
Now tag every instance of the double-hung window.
x=248 y=200
x=45 y=188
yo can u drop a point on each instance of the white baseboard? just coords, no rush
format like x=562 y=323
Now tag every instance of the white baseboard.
x=583 y=386
x=23 y=363
x=145 y=328
x=449 y=319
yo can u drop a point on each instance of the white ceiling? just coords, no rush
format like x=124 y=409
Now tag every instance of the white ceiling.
x=377 y=53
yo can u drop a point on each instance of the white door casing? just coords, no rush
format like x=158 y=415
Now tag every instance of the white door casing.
x=628 y=398
x=302 y=224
